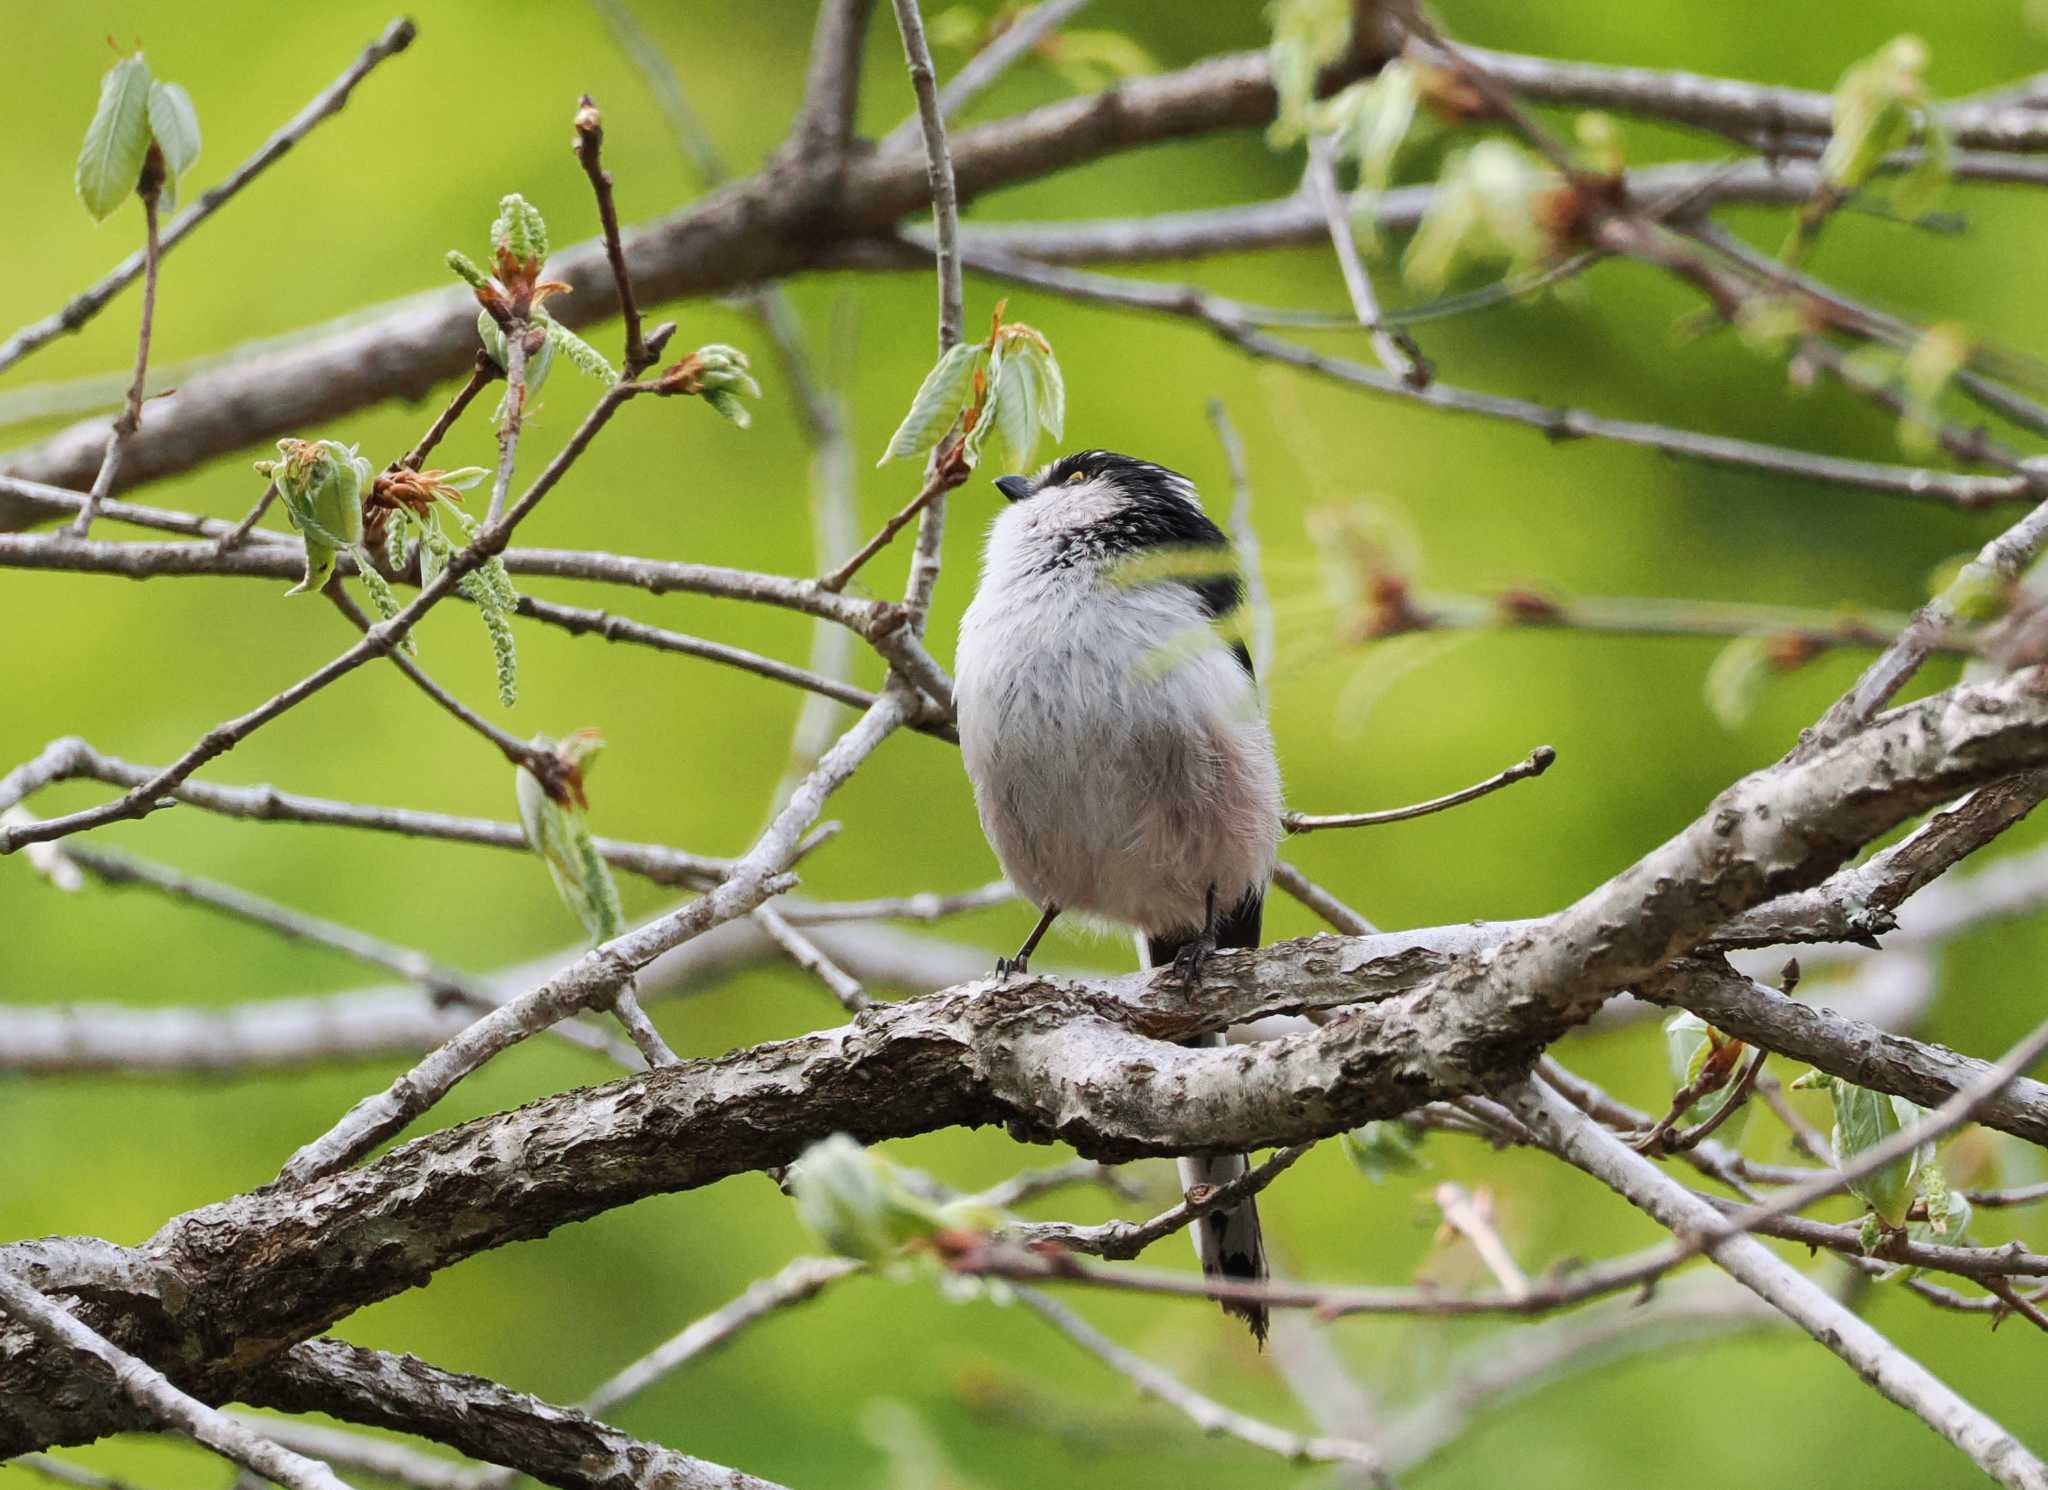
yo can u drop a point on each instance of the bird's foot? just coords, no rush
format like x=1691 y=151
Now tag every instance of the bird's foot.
x=1006 y=966
x=1191 y=959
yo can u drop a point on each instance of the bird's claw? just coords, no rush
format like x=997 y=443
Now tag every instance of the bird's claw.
x=1007 y=966
x=1191 y=959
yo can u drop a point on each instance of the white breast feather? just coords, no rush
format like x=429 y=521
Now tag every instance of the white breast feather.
x=1120 y=761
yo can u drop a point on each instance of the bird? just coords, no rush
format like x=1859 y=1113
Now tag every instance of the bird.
x=1122 y=766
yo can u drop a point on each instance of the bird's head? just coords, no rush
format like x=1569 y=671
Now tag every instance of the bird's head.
x=1122 y=503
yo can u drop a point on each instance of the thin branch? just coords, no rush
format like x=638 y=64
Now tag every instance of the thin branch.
x=1511 y=1366
x=1576 y=1138
x=481 y=377
x=945 y=199
x=1244 y=538
x=442 y=983
x=1210 y=1416
x=1321 y=901
x=1472 y=1219
x=1535 y=763
x=589 y=152
x=236 y=536
x=944 y=473
x=796 y=1283
x=1017 y=39
x=83 y=306
x=1951 y=1114
x=806 y=954
x=1030 y=1184
x=72 y=759
x=594 y=979
x=1396 y=352
x=2000 y=560
x=151 y=191
x=149 y=796
x=516 y=751
x=1745 y=1083
x=147 y=1387
x=1325 y=1301
x=1122 y=1240
x=947 y=472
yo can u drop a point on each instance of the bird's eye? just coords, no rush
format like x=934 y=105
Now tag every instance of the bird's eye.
x=1077 y=476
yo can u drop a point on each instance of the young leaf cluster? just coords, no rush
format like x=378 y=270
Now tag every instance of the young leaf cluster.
x=1697 y=1050
x=143 y=136
x=860 y=1205
x=424 y=510
x=559 y=831
x=322 y=484
x=1893 y=1194
x=1008 y=384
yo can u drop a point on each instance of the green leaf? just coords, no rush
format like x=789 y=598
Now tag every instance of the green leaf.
x=1307 y=35
x=538 y=364
x=940 y=397
x=1013 y=407
x=1689 y=1043
x=1735 y=681
x=1864 y=1119
x=855 y=1202
x=586 y=358
x=559 y=833
x=116 y=141
x=1385 y=1147
x=1875 y=103
x=175 y=124
x=519 y=229
x=466 y=270
x=321 y=483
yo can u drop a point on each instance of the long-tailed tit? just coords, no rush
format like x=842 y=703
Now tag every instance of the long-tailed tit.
x=1121 y=763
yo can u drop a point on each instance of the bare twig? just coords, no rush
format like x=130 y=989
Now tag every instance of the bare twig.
x=1321 y=901
x=1471 y=1217
x=947 y=472
x=589 y=152
x=1207 y=1414
x=991 y=62
x=1244 y=537
x=130 y=420
x=797 y=1282
x=806 y=954
x=83 y=306
x=1573 y=1136
x=1953 y=1113
x=236 y=536
x=595 y=978
x=485 y=373
x=149 y=796
x=71 y=759
x=1396 y=352
x=1120 y=1240
x=1536 y=763
x=148 y=1388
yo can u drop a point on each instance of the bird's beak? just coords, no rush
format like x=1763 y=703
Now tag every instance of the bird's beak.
x=1016 y=488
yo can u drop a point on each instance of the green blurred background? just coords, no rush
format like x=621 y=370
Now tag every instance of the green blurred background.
x=364 y=210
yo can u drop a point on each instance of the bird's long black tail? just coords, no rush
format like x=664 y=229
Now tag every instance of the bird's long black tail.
x=1228 y=1242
